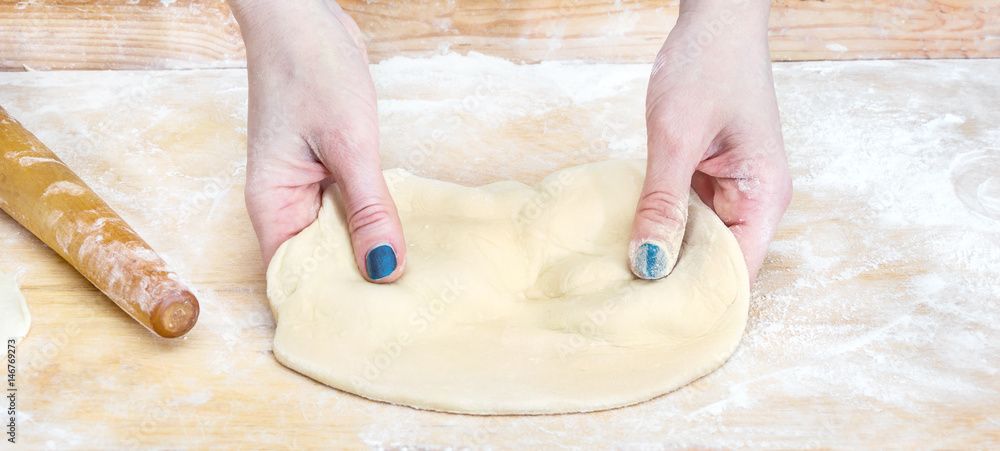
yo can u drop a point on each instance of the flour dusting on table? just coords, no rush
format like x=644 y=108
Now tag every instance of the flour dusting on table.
x=873 y=322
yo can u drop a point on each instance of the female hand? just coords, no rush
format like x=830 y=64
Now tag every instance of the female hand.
x=713 y=126
x=313 y=121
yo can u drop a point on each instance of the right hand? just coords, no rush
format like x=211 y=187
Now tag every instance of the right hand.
x=313 y=122
x=713 y=126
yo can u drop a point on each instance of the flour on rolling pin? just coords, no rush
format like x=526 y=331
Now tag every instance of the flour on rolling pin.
x=50 y=200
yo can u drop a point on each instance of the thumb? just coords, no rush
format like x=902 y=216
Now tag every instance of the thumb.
x=372 y=219
x=661 y=215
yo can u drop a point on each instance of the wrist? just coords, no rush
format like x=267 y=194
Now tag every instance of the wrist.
x=745 y=16
x=274 y=31
x=267 y=18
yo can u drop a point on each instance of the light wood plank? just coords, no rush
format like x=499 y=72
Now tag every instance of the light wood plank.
x=183 y=34
x=123 y=34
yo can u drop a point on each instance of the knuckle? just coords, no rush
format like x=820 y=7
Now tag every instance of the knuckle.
x=662 y=119
x=350 y=139
x=339 y=139
x=664 y=208
x=673 y=134
x=371 y=215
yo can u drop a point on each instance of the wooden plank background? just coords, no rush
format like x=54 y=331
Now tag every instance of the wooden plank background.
x=188 y=34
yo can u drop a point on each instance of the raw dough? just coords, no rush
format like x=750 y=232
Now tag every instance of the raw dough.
x=14 y=317
x=514 y=300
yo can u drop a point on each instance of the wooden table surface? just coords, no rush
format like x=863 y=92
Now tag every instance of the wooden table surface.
x=875 y=321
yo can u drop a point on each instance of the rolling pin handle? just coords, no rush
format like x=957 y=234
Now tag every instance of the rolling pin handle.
x=175 y=314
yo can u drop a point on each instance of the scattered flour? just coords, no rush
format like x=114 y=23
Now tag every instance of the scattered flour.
x=874 y=314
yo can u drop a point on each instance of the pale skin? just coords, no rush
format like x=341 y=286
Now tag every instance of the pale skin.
x=711 y=115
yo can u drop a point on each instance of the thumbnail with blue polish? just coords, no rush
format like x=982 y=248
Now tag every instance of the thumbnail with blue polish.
x=650 y=261
x=380 y=262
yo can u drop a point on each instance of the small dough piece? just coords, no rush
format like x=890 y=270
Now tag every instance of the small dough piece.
x=515 y=300
x=14 y=317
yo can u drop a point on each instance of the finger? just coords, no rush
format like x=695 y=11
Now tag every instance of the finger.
x=752 y=207
x=372 y=219
x=281 y=212
x=661 y=214
x=754 y=221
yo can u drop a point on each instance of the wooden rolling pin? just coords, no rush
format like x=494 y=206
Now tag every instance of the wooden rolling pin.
x=50 y=200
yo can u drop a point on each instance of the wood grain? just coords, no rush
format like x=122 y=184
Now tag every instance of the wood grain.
x=118 y=34
x=871 y=326
x=49 y=199
x=185 y=34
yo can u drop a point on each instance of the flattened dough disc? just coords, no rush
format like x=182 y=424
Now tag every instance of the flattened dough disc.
x=514 y=300
x=14 y=317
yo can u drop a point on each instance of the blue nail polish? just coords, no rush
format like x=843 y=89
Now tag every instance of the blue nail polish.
x=650 y=261
x=380 y=262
